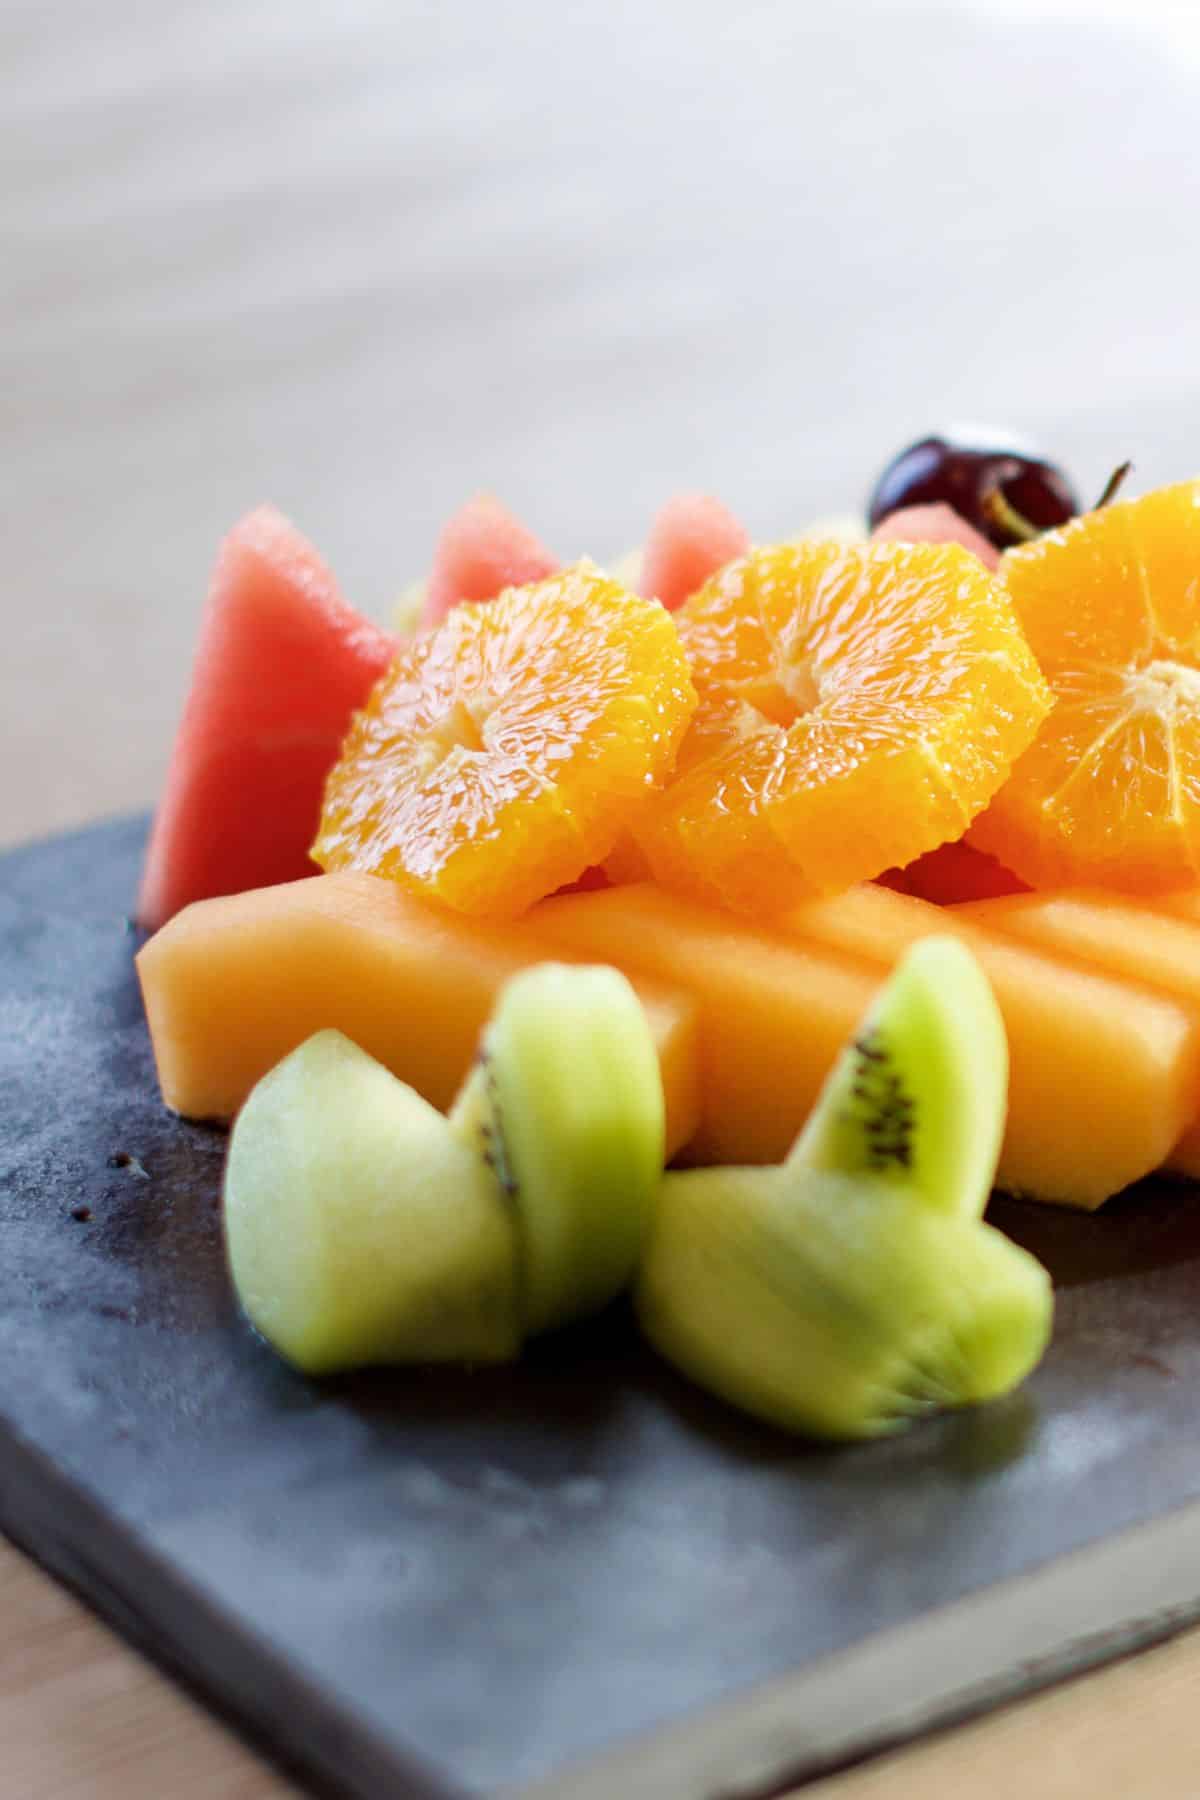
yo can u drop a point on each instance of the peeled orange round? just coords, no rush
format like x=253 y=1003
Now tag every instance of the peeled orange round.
x=504 y=753
x=859 y=705
x=1109 y=794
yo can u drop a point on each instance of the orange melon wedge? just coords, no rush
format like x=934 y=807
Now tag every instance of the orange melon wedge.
x=1104 y=1073
x=1122 y=937
x=232 y=985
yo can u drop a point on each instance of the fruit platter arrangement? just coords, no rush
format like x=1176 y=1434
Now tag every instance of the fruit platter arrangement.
x=720 y=925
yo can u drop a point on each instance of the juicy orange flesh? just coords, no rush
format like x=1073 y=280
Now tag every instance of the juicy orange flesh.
x=1109 y=793
x=503 y=753
x=859 y=705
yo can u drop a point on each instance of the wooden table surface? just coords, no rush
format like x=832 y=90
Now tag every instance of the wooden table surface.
x=365 y=260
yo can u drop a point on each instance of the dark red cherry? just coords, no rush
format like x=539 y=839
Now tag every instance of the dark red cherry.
x=1005 y=492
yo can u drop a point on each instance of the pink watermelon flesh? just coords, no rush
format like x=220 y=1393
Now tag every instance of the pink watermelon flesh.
x=936 y=524
x=281 y=664
x=692 y=537
x=481 y=549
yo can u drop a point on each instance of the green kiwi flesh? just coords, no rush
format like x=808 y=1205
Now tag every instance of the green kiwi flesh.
x=835 y=1305
x=566 y=1104
x=919 y=1097
x=358 y=1228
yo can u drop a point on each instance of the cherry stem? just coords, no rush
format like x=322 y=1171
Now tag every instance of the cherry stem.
x=1113 y=485
x=1002 y=513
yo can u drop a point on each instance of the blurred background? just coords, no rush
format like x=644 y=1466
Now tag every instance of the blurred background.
x=363 y=259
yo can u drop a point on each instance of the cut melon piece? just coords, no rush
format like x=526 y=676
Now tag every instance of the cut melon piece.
x=231 y=986
x=481 y=550
x=691 y=538
x=1104 y=1072
x=773 y=1016
x=1120 y=936
x=281 y=664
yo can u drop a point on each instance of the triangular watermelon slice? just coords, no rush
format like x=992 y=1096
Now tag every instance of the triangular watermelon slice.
x=691 y=538
x=281 y=665
x=936 y=523
x=481 y=549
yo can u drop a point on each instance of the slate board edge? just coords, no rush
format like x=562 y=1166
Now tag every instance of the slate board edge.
x=1018 y=1638
x=276 y=1710
x=1005 y=1643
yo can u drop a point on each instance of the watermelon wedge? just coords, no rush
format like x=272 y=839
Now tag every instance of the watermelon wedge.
x=281 y=664
x=691 y=538
x=935 y=524
x=482 y=548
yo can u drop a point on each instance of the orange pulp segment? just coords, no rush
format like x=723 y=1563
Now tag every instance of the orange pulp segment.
x=503 y=754
x=859 y=705
x=1109 y=793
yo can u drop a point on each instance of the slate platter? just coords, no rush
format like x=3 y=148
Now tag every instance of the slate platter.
x=574 y=1577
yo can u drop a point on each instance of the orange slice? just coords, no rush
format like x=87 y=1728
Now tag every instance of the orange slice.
x=1109 y=794
x=859 y=705
x=505 y=752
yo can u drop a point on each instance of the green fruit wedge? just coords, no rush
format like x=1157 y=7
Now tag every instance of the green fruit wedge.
x=835 y=1305
x=918 y=1098
x=857 y=1287
x=566 y=1103
x=359 y=1228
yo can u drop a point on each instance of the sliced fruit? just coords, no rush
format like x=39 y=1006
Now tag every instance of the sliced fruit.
x=1109 y=793
x=935 y=524
x=482 y=550
x=1121 y=937
x=406 y=613
x=627 y=569
x=1104 y=1074
x=843 y=528
x=359 y=1229
x=691 y=538
x=833 y=1305
x=1001 y=487
x=281 y=663
x=772 y=1015
x=858 y=706
x=231 y=986
x=918 y=1095
x=566 y=1103
x=953 y=873
x=504 y=753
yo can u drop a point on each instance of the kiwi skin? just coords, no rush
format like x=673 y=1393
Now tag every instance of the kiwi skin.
x=833 y=1306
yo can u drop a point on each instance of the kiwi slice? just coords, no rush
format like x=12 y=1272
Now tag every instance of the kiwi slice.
x=918 y=1098
x=857 y=1287
x=359 y=1229
x=566 y=1104
x=832 y=1305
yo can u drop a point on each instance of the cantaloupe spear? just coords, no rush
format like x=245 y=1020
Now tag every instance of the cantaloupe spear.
x=1104 y=1072
x=231 y=986
x=1124 y=937
x=1104 y=1079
